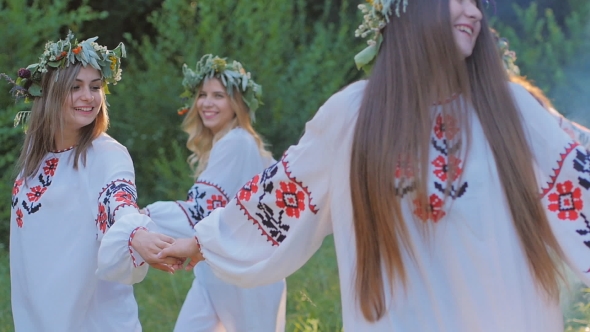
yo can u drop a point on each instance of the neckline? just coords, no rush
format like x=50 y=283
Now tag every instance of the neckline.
x=63 y=150
x=446 y=101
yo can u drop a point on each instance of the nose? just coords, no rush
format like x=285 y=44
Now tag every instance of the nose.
x=87 y=94
x=472 y=11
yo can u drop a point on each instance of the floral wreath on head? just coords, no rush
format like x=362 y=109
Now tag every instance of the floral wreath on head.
x=376 y=14
x=231 y=74
x=60 y=55
x=508 y=56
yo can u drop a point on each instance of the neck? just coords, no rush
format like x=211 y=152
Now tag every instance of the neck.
x=65 y=140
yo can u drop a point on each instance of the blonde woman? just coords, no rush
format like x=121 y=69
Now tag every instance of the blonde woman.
x=226 y=152
x=74 y=182
x=449 y=211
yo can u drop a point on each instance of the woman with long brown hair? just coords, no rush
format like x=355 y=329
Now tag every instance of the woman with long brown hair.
x=74 y=182
x=449 y=211
x=226 y=152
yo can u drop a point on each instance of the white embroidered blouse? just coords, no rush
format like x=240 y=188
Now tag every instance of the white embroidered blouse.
x=470 y=275
x=58 y=220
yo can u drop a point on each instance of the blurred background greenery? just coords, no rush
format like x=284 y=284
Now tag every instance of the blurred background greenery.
x=300 y=51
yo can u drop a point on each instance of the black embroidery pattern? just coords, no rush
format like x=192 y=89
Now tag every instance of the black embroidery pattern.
x=115 y=195
x=203 y=198
x=277 y=202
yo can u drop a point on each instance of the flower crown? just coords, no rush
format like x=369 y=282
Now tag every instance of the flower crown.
x=376 y=15
x=231 y=74
x=60 y=55
x=508 y=56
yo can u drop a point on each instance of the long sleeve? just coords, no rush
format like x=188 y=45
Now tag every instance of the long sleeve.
x=233 y=160
x=564 y=177
x=576 y=131
x=117 y=215
x=281 y=216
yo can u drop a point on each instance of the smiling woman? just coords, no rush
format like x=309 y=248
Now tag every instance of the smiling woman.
x=223 y=98
x=74 y=182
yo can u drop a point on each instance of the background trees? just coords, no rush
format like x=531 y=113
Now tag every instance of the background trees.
x=300 y=51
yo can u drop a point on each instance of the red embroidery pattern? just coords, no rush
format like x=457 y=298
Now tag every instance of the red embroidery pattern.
x=285 y=163
x=202 y=199
x=131 y=248
x=443 y=140
x=280 y=201
x=124 y=193
x=31 y=202
x=556 y=171
x=434 y=211
x=19 y=218
x=567 y=201
x=249 y=189
x=215 y=202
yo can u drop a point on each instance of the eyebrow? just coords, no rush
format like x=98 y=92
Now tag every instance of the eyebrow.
x=94 y=80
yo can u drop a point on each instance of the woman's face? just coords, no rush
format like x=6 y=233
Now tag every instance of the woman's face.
x=213 y=105
x=466 y=20
x=85 y=100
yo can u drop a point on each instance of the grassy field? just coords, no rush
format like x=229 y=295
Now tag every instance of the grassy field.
x=313 y=302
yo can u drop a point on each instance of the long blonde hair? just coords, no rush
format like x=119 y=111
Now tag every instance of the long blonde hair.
x=46 y=121
x=201 y=139
x=418 y=64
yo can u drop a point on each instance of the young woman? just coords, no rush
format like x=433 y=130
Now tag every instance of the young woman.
x=449 y=211
x=227 y=152
x=73 y=183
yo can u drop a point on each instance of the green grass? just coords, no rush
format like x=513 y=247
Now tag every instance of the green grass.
x=313 y=302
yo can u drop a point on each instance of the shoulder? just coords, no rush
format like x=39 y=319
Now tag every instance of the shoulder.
x=106 y=150
x=236 y=139
x=346 y=101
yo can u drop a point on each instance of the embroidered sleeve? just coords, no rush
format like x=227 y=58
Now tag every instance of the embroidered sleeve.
x=566 y=197
x=280 y=217
x=233 y=161
x=117 y=215
x=563 y=172
x=177 y=218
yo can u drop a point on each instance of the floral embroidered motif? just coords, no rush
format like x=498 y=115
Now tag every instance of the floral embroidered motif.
x=442 y=167
x=249 y=189
x=36 y=193
x=443 y=143
x=567 y=201
x=204 y=197
x=434 y=211
x=276 y=203
x=290 y=198
x=447 y=126
x=215 y=202
x=38 y=185
x=16 y=187
x=50 y=166
x=19 y=218
x=124 y=194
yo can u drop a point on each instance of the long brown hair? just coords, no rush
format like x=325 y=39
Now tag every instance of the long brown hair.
x=47 y=121
x=201 y=139
x=419 y=64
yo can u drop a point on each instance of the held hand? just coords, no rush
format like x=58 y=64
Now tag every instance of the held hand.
x=183 y=248
x=148 y=245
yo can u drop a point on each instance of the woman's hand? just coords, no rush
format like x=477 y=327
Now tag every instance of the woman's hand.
x=148 y=244
x=182 y=249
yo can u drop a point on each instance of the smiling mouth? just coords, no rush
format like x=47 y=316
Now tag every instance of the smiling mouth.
x=84 y=109
x=465 y=29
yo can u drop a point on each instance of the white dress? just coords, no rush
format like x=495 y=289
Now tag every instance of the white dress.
x=58 y=220
x=470 y=275
x=212 y=304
